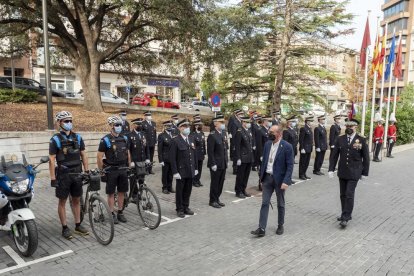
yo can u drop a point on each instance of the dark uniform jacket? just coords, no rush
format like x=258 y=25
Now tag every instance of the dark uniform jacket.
x=138 y=146
x=200 y=144
x=116 y=150
x=261 y=137
x=275 y=122
x=164 y=145
x=150 y=130
x=320 y=138
x=233 y=125
x=125 y=128
x=244 y=146
x=353 y=157
x=175 y=131
x=217 y=150
x=291 y=136
x=305 y=139
x=183 y=157
x=334 y=132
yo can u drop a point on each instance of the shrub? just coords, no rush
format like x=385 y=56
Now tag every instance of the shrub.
x=17 y=96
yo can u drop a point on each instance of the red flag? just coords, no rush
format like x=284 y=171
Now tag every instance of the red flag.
x=366 y=41
x=398 y=63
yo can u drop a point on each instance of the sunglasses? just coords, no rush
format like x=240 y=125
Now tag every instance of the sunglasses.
x=117 y=125
x=67 y=121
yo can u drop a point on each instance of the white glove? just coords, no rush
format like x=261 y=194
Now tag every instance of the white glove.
x=254 y=148
x=162 y=164
x=332 y=147
x=147 y=161
x=261 y=158
x=391 y=141
x=364 y=178
x=239 y=162
x=376 y=142
x=177 y=176
x=303 y=151
x=132 y=165
x=331 y=174
x=195 y=172
x=230 y=136
x=318 y=149
x=214 y=168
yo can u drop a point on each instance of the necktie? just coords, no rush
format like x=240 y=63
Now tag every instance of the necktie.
x=349 y=140
x=186 y=140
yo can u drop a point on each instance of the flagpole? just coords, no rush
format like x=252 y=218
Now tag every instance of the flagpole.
x=364 y=100
x=383 y=72
x=396 y=81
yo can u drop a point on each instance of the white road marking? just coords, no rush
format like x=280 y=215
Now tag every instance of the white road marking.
x=168 y=220
x=230 y=192
x=21 y=263
x=241 y=199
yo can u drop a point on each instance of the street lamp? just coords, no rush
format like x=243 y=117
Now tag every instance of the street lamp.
x=47 y=66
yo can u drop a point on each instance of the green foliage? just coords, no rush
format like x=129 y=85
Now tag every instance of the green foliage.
x=17 y=96
x=208 y=82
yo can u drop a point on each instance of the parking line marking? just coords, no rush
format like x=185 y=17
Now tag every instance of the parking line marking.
x=241 y=199
x=168 y=220
x=230 y=192
x=24 y=264
x=16 y=257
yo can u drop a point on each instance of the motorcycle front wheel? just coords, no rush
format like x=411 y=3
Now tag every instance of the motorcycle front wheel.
x=25 y=236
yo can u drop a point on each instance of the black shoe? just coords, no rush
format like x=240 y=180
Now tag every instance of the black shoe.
x=302 y=177
x=339 y=218
x=307 y=177
x=259 y=232
x=67 y=234
x=247 y=194
x=80 y=230
x=280 y=230
x=171 y=191
x=376 y=160
x=165 y=191
x=121 y=218
x=343 y=223
x=321 y=173
x=188 y=211
x=200 y=185
x=215 y=205
x=240 y=195
x=221 y=203
x=391 y=156
x=180 y=214
x=318 y=173
x=196 y=185
x=115 y=218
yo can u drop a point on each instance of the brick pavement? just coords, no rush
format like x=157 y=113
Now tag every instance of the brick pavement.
x=378 y=241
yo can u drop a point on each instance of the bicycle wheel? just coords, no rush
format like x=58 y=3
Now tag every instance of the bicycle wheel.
x=100 y=219
x=149 y=208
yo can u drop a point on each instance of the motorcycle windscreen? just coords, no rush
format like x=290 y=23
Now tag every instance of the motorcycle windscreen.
x=12 y=153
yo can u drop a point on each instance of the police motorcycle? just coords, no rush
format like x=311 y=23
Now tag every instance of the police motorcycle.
x=17 y=177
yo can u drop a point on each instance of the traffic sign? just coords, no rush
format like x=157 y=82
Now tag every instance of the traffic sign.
x=215 y=100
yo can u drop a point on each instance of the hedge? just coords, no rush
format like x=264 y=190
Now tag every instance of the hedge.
x=17 y=96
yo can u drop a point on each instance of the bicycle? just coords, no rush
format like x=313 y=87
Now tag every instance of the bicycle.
x=100 y=216
x=147 y=202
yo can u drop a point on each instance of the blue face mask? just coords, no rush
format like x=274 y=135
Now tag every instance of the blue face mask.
x=222 y=127
x=67 y=126
x=186 y=131
x=269 y=124
x=118 y=129
x=293 y=124
x=248 y=125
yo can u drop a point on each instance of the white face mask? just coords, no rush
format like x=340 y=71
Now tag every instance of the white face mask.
x=293 y=124
x=149 y=118
x=248 y=125
x=123 y=118
x=175 y=121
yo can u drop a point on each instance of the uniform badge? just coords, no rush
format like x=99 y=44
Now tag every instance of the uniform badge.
x=114 y=147
x=357 y=145
x=65 y=150
x=192 y=145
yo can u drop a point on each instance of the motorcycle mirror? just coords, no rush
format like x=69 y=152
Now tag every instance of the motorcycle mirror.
x=44 y=159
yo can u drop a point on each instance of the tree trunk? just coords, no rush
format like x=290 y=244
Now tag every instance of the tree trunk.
x=89 y=75
x=281 y=66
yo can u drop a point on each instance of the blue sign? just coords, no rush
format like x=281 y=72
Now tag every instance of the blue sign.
x=128 y=89
x=164 y=82
x=215 y=100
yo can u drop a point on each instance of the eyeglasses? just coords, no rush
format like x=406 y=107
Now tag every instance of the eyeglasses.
x=117 y=125
x=67 y=121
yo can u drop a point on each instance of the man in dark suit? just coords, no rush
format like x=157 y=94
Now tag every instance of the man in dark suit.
x=150 y=129
x=217 y=161
x=243 y=153
x=305 y=147
x=321 y=145
x=184 y=167
x=275 y=175
x=352 y=151
x=334 y=132
x=200 y=144
x=125 y=125
x=164 y=145
x=233 y=125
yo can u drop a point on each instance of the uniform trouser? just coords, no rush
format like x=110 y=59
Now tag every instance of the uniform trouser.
x=166 y=176
x=319 y=161
x=151 y=153
x=196 y=178
x=347 y=194
x=377 y=150
x=243 y=173
x=304 y=160
x=182 y=194
x=268 y=187
x=231 y=148
x=216 y=184
x=257 y=157
x=390 y=146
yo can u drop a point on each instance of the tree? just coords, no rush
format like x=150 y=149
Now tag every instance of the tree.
x=115 y=34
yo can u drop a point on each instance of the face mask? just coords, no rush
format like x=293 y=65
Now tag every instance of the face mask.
x=272 y=136
x=255 y=116
x=248 y=125
x=199 y=128
x=123 y=118
x=293 y=124
x=309 y=123
x=168 y=129
x=67 y=126
x=118 y=129
x=186 y=131
x=349 y=131
x=278 y=116
x=269 y=124
x=176 y=122
x=149 y=118
x=222 y=127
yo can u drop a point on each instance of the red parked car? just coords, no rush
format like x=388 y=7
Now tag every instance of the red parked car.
x=146 y=101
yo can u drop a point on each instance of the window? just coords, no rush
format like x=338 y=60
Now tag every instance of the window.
x=396 y=9
x=105 y=86
x=18 y=72
x=399 y=25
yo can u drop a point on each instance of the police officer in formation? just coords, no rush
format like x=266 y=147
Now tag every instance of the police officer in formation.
x=164 y=146
x=150 y=129
x=174 y=120
x=115 y=148
x=291 y=136
x=125 y=125
x=233 y=125
x=184 y=167
x=200 y=144
x=67 y=154
x=217 y=150
x=321 y=145
x=352 y=151
x=243 y=153
x=276 y=117
x=334 y=132
x=260 y=138
x=305 y=147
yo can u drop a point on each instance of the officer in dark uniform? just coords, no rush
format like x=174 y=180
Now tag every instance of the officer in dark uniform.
x=276 y=117
x=125 y=125
x=174 y=119
x=138 y=147
x=255 y=128
x=199 y=139
x=233 y=125
x=243 y=153
x=184 y=167
x=261 y=137
x=290 y=135
x=321 y=145
x=164 y=145
x=334 y=132
x=115 y=148
x=305 y=147
x=150 y=129
x=67 y=149
x=217 y=161
x=352 y=151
